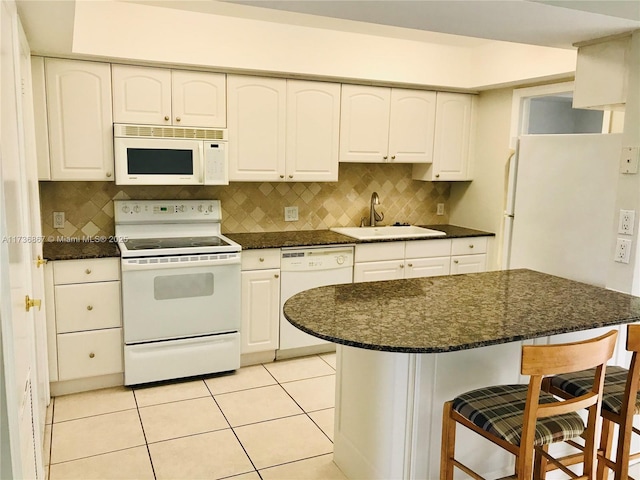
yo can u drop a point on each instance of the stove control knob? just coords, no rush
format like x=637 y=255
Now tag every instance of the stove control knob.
x=210 y=208
x=180 y=208
x=200 y=208
x=126 y=209
x=340 y=259
x=136 y=208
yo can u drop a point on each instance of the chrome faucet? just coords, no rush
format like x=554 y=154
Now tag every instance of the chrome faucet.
x=373 y=215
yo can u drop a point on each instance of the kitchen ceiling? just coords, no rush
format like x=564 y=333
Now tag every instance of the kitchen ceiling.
x=547 y=23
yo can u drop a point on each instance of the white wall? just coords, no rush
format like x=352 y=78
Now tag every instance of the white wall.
x=480 y=203
x=144 y=33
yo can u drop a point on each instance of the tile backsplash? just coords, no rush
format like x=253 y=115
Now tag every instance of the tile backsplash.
x=256 y=206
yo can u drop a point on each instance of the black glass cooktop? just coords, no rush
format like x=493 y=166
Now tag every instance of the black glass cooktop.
x=174 y=242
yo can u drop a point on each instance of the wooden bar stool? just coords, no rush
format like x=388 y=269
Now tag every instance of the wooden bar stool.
x=620 y=403
x=524 y=420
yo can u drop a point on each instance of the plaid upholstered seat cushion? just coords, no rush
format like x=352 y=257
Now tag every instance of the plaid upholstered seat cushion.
x=500 y=410
x=579 y=383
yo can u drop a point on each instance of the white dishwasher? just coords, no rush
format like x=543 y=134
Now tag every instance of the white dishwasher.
x=303 y=269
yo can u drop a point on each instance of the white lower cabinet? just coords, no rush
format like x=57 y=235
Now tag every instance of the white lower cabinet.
x=419 y=258
x=85 y=314
x=260 y=296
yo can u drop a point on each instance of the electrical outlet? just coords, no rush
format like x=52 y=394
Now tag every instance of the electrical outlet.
x=58 y=219
x=290 y=214
x=626 y=221
x=623 y=250
x=440 y=209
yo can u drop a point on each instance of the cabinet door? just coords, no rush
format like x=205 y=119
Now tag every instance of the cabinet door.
x=468 y=264
x=374 y=271
x=199 y=99
x=313 y=129
x=40 y=118
x=364 y=124
x=141 y=95
x=411 y=126
x=79 y=119
x=451 y=143
x=256 y=124
x=427 y=267
x=260 y=310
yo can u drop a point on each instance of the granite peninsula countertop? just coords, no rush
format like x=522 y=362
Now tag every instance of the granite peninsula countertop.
x=458 y=312
x=79 y=250
x=305 y=238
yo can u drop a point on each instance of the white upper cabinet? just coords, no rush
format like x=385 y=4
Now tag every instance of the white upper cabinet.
x=78 y=96
x=313 y=129
x=257 y=128
x=282 y=130
x=452 y=140
x=158 y=96
x=381 y=124
x=40 y=118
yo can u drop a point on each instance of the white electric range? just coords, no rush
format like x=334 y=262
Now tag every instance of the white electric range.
x=180 y=289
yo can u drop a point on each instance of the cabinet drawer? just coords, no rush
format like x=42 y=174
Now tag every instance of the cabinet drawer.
x=89 y=354
x=468 y=264
x=261 y=259
x=87 y=306
x=427 y=248
x=373 y=252
x=468 y=246
x=81 y=271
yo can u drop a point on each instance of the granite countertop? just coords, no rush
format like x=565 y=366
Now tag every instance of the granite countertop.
x=449 y=313
x=79 y=250
x=304 y=238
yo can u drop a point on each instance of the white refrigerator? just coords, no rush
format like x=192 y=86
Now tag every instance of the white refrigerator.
x=560 y=207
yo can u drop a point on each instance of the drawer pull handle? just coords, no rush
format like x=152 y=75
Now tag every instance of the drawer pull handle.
x=471 y=246
x=89 y=307
x=410 y=265
x=277 y=276
x=261 y=259
x=402 y=265
x=91 y=355
x=455 y=261
x=87 y=271
x=166 y=118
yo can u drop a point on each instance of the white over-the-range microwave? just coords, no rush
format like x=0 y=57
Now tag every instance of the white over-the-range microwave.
x=158 y=155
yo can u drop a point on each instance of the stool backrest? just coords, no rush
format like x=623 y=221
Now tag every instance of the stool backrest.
x=541 y=360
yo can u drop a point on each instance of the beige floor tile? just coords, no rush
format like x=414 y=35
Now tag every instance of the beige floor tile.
x=324 y=419
x=46 y=448
x=257 y=405
x=242 y=379
x=330 y=358
x=313 y=393
x=179 y=419
x=95 y=402
x=284 y=440
x=95 y=435
x=48 y=419
x=172 y=392
x=132 y=463
x=317 y=468
x=246 y=476
x=209 y=455
x=299 y=368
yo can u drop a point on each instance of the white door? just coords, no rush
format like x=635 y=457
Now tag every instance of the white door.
x=257 y=128
x=141 y=95
x=21 y=445
x=198 y=99
x=565 y=205
x=364 y=124
x=411 y=126
x=313 y=129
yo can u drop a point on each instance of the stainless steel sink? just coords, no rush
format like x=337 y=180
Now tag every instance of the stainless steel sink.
x=388 y=232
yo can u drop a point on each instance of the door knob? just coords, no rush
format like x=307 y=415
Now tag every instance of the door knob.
x=31 y=302
x=41 y=261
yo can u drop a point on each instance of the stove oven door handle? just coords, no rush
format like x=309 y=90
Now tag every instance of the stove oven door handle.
x=134 y=265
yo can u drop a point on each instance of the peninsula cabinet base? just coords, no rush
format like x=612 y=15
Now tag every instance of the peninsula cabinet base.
x=388 y=417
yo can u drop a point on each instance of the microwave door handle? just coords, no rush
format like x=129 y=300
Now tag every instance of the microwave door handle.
x=203 y=162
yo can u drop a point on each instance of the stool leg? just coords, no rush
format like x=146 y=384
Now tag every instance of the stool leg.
x=606 y=447
x=447 y=448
